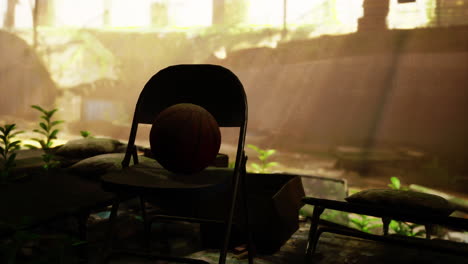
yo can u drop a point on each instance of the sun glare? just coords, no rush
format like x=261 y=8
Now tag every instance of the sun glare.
x=124 y=13
x=184 y=14
x=327 y=17
x=337 y=16
x=408 y=15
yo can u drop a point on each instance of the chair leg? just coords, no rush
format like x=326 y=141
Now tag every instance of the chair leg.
x=429 y=228
x=313 y=238
x=112 y=217
x=386 y=223
x=227 y=236
x=250 y=244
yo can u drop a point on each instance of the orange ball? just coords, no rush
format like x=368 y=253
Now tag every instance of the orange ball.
x=185 y=138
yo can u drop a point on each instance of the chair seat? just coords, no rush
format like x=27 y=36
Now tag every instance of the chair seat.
x=145 y=177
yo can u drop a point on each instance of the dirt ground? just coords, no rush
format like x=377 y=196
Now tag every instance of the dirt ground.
x=331 y=249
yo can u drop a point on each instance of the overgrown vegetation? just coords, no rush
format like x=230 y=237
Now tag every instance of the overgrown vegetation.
x=403 y=228
x=46 y=128
x=406 y=229
x=7 y=151
x=49 y=131
x=85 y=134
x=263 y=155
x=394 y=183
x=365 y=223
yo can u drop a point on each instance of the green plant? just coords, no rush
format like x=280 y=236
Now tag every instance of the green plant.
x=395 y=183
x=49 y=161
x=365 y=223
x=46 y=128
x=402 y=228
x=405 y=229
x=7 y=152
x=263 y=155
x=85 y=134
x=50 y=133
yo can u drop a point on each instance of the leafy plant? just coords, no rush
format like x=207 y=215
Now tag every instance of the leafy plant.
x=46 y=128
x=405 y=229
x=85 y=134
x=402 y=228
x=365 y=223
x=7 y=152
x=50 y=133
x=263 y=155
x=395 y=183
x=49 y=162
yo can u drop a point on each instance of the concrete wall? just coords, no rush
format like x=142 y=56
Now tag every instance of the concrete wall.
x=411 y=99
x=388 y=88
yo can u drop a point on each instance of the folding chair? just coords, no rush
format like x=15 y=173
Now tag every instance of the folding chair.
x=220 y=92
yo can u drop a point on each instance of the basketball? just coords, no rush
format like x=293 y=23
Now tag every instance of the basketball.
x=185 y=138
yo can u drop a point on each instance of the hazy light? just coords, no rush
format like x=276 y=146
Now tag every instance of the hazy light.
x=220 y=53
x=133 y=13
x=83 y=13
x=23 y=14
x=183 y=13
x=348 y=11
x=265 y=12
x=328 y=17
x=408 y=15
x=300 y=12
x=3 y=8
x=270 y=42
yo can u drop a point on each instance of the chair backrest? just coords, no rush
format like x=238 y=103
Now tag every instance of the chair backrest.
x=212 y=87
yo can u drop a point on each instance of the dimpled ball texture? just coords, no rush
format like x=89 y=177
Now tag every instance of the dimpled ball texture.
x=185 y=138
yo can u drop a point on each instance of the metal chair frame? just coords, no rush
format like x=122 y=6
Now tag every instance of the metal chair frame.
x=386 y=214
x=219 y=91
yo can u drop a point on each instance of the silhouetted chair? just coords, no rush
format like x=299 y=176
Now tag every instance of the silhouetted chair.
x=220 y=92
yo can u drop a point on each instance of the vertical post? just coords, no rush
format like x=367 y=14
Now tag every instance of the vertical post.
x=218 y=12
x=9 y=20
x=35 y=15
x=374 y=16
